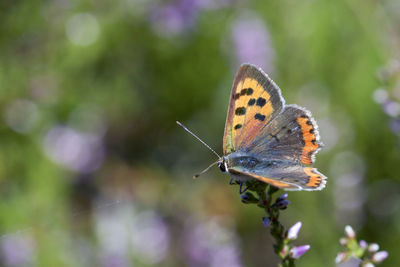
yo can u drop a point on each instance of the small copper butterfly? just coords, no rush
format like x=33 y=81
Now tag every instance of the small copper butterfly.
x=265 y=139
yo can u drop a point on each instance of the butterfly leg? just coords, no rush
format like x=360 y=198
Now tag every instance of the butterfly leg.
x=241 y=191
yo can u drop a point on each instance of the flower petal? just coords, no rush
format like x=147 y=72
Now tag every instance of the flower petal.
x=293 y=231
x=297 y=252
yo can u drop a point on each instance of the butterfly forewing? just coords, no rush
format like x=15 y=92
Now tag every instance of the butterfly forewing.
x=255 y=101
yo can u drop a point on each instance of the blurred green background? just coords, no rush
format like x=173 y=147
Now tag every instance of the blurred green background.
x=95 y=172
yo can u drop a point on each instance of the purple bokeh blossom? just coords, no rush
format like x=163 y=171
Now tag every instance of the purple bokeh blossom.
x=175 y=17
x=73 y=149
x=17 y=250
x=252 y=43
x=363 y=244
x=349 y=232
x=211 y=244
x=125 y=234
x=373 y=247
x=380 y=256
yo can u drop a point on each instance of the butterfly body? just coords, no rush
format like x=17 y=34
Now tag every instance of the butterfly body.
x=267 y=140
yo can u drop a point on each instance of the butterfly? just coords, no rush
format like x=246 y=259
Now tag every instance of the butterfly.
x=265 y=139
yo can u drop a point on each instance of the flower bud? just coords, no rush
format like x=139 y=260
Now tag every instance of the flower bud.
x=380 y=256
x=293 y=231
x=266 y=221
x=282 y=197
x=349 y=232
x=282 y=204
x=248 y=198
x=373 y=247
x=363 y=244
x=297 y=252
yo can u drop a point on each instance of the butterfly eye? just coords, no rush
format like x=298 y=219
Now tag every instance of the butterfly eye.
x=221 y=166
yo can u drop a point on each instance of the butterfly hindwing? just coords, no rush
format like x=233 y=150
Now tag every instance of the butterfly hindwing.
x=255 y=101
x=292 y=135
x=283 y=174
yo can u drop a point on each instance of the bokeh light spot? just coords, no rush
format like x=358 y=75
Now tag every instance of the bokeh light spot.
x=82 y=29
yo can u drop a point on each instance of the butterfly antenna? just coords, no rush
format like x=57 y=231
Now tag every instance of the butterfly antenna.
x=197 y=175
x=187 y=130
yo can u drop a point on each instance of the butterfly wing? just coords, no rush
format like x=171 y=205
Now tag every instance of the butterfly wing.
x=255 y=101
x=291 y=135
x=260 y=125
x=285 y=175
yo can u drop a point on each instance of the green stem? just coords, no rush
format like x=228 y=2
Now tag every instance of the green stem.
x=277 y=229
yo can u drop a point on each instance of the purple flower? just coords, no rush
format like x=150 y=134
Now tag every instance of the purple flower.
x=373 y=247
x=380 y=256
x=363 y=244
x=281 y=202
x=293 y=231
x=282 y=197
x=297 y=252
x=349 y=232
x=266 y=221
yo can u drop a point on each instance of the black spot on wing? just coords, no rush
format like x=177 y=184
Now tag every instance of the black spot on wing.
x=261 y=102
x=240 y=111
x=238 y=126
x=246 y=91
x=314 y=141
x=259 y=116
x=251 y=102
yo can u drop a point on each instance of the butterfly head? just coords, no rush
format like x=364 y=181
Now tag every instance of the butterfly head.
x=222 y=164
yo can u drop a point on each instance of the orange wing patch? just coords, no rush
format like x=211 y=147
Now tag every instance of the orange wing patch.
x=315 y=178
x=259 y=114
x=310 y=139
x=242 y=96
